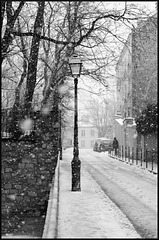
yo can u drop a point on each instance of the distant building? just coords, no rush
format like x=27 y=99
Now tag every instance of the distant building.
x=87 y=134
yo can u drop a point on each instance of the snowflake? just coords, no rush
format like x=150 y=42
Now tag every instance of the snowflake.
x=26 y=125
x=38 y=30
x=32 y=155
x=135 y=136
x=45 y=110
x=12 y=197
x=63 y=89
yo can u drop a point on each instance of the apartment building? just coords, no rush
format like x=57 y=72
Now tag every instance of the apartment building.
x=136 y=70
x=136 y=73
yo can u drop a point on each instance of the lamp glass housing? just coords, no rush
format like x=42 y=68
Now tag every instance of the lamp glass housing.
x=75 y=65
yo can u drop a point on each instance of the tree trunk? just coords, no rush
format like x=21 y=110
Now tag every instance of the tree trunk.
x=16 y=112
x=33 y=59
x=11 y=18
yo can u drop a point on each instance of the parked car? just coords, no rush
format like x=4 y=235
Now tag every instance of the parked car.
x=103 y=144
x=95 y=147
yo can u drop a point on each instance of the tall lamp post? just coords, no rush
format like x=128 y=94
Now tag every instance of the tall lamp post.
x=60 y=132
x=75 y=67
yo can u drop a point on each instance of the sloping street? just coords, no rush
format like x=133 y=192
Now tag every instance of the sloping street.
x=132 y=189
x=79 y=122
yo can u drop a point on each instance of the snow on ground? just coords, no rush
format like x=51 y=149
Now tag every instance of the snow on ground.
x=139 y=169
x=89 y=213
x=137 y=181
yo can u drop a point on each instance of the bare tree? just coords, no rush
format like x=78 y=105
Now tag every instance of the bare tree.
x=15 y=113
x=90 y=28
x=33 y=58
x=12 y=16
x=101 y=114
x=85 y=26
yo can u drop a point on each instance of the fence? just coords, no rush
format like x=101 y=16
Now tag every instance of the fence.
x=137 y=156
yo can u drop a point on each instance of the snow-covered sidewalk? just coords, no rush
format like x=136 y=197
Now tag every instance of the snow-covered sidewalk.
x=88 y=213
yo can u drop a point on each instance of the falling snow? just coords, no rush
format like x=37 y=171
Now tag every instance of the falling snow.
x=117 y=200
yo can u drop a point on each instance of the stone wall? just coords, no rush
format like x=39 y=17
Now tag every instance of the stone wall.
x=27 y=172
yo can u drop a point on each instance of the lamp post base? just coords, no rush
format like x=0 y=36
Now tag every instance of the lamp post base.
x=76 y=166
x=61 y=154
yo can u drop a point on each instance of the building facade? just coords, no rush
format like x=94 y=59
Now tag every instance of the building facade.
x=87 y=134
x=124 y=80
x=136 y=70
x=144 y=65
x=136 y=73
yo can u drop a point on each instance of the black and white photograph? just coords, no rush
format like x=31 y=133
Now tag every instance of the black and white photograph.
x=79 y=119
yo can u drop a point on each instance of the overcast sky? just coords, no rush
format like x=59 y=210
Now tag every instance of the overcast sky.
x=91 y=85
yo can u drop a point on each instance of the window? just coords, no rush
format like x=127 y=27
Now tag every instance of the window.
x=92 y=143
x=92 y=133
x=82 y=143
x=83 y=133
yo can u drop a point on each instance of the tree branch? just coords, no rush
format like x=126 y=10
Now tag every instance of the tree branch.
x=15 y=33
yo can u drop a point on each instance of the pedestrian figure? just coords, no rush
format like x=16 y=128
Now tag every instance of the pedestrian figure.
x=115 y=145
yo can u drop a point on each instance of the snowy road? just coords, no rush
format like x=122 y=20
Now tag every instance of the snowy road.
x=132 y=189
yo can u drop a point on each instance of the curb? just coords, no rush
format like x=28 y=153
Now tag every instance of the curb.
x=50 y=227
x=151 y=171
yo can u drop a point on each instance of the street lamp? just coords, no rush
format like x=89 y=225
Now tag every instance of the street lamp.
x=75 y=67
x=60 y=131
